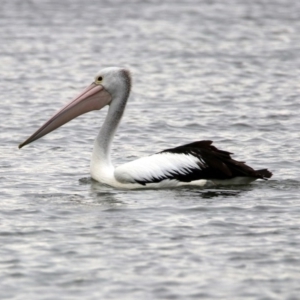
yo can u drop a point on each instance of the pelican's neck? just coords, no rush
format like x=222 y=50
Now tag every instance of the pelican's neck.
x=101 y=166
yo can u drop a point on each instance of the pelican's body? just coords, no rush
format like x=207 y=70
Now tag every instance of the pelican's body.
x=195 y=164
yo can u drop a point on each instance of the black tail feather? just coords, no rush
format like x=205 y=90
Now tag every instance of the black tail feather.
x=264 y=173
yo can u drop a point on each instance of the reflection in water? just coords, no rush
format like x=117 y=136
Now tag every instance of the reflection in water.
x=218 y=193
x=104 y=193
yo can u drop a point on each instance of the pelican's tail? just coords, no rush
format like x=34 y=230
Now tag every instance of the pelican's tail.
x=263 y=173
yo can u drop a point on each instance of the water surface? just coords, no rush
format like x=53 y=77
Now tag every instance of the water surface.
x=228 y=72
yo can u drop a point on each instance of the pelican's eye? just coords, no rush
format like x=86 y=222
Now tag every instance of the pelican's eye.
x=99 y=79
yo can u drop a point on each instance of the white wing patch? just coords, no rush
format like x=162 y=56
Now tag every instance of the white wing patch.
x=158 y=166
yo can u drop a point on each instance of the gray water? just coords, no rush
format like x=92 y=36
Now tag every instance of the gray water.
x=221 y=70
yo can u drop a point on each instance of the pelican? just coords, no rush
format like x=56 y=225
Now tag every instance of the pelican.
x=196 y=164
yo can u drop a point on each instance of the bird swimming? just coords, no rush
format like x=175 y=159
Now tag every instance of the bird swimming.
x=197 y=164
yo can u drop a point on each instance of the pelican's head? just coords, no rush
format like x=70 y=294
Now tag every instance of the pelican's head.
x=114 y=80
x=108 y=84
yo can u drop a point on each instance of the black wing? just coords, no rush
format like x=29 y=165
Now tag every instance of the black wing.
x=214 y=163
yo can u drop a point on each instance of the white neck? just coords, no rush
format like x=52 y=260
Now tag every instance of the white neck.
x=101 y=166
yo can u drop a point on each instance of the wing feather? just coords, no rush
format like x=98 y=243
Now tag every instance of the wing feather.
x=157 y=167
x=195 y=161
